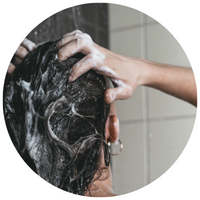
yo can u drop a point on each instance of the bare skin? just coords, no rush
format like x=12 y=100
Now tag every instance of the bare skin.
x=25 y=47
x=176 y=81
x=126 y=73
x=102 y=186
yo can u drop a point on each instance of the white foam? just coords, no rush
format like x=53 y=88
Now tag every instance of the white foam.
x=107 y=70
x=24 y=85
x=96 y=57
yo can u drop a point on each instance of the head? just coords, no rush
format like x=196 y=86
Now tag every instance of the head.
x=57 y=126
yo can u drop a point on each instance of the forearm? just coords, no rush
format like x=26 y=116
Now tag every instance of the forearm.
x=176 y=81
x=126 y=73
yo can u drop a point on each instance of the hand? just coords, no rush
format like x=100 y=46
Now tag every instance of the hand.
x=25 y=47
x=122 y=71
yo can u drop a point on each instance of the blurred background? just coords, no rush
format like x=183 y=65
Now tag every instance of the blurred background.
x=154 y=127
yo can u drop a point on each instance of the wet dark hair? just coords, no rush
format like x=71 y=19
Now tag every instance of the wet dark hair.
x=57 y=126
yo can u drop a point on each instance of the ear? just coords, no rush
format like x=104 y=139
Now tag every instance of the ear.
x=112 y=129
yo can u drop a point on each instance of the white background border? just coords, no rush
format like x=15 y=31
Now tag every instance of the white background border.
x=181 y=18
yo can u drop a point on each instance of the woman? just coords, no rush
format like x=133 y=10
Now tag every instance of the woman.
x=126 y=74
x=57 y=126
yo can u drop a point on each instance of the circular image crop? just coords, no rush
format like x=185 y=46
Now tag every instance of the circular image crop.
x=99 y=100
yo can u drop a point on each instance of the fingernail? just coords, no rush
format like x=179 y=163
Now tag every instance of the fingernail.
x=57 y=45
x=109 y=98
x=71 y=78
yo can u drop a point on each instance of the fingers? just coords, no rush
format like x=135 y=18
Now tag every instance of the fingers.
x=96 y=58
x=68 y=38
x=11 y=68
x=73 y=43
x=67 y=50
x=118 y=93
x=110 y=95
x=25 y=47
x=82 y=67
x=21 y=52
x=72 y=33
x=29 y=45
x=16 y=60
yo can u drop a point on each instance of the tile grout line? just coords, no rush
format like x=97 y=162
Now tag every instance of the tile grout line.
x=109 y=33
x=114 y=30
x=96 y=18
x=145 y=105
x=123 y=122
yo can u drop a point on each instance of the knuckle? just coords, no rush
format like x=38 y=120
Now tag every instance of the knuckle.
x=78 y=34
x=87 y=36
x=81 y=41
x=60 y=56
x=90 y=56
x=78 y=31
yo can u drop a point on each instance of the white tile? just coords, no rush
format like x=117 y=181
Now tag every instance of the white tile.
x=127 y=42
x=122 y=16
x=150 y=19
x=128 y=167
x=132 y=108
x=162 y=105
x=167 y=141
x=163 y=47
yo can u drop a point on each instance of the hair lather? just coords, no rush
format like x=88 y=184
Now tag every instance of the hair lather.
x=57 y=126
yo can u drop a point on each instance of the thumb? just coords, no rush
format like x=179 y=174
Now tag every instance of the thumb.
x=118 y=93
x=111 y=95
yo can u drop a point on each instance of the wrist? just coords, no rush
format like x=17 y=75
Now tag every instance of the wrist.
x=147 y=72
x=140 y=67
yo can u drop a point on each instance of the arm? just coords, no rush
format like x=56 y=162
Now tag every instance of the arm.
x=176 y=81
x=25 y=47
x=126 y=73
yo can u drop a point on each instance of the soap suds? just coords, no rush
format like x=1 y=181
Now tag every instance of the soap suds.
x=95 y=59
x=123 y=88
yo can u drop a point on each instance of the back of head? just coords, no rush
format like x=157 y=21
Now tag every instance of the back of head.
x=57 y=126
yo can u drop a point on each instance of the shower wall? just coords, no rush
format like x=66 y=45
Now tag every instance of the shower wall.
x=154 y=127
x=89 y=18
